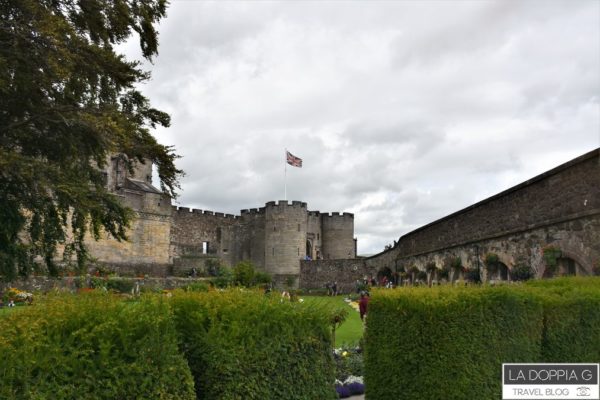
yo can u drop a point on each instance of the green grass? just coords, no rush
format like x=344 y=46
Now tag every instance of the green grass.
x=351 y=331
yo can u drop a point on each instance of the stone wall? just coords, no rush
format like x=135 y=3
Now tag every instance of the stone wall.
x=148 y=244
x=338 y=235
x=315 y=274
x=192 y=227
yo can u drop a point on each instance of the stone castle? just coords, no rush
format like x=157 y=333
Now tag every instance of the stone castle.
x=167 y=240
x=559 y=209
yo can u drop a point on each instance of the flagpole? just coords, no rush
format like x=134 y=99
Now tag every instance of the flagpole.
x=285 y=176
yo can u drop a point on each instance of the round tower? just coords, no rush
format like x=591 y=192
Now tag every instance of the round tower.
x=285 y=238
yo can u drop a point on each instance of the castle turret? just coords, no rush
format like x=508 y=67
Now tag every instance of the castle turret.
x=338 y=236
x=285 y=237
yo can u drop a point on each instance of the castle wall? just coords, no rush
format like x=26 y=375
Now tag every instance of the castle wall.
x=313 y=235
x=338 y=236
x=252 y=237
x=285 y=237
x=192 y=227
x=315 y=274
x=148 y=247
x=558 y=208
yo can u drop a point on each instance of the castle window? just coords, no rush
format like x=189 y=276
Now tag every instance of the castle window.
x=225 y=251
x=298 y=250
x=274 y=228
x=298 y=227
x=204 y=247
x=318 y=236
x=273 y=250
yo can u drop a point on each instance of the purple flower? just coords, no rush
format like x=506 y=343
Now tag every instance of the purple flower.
x=343 y=392
x=356 y=388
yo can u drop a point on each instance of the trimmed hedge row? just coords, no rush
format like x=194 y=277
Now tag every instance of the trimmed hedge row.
x=231 y=344
x=92 y=346
x=450 y=342
x=242 y=345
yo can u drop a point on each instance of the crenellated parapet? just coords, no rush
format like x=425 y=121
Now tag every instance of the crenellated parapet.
x=285 y=204
x=251 y=211
x=187 y=212
x=336 y=215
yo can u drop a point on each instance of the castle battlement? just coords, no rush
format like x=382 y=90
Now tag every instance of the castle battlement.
x=196 y=211
x=345 y=215
x=285 y=203
x=253 y=211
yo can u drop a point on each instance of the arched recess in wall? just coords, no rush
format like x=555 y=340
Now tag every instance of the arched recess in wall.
x=570 y=262
x=385 y=271
x=502 y=270
x=309 y=248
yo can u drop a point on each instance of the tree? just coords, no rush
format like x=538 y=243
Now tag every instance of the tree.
x=68 y=101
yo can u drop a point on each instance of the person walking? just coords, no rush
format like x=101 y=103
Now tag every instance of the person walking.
x=362 y=305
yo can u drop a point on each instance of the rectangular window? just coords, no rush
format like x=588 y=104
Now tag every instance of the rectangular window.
x=298 y=227
x=317 y=236
x=204 y=247
x=273 y=250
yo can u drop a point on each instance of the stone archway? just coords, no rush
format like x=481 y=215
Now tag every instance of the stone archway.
x=384 y=272
x=572 y=261
x=501 y=272
x=309 y=252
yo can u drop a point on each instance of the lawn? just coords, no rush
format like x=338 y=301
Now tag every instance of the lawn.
x=351 y=331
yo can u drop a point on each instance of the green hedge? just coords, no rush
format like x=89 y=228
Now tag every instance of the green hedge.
x=92 y=346
x=450 y=342
x=571 y=319
x=245 y=345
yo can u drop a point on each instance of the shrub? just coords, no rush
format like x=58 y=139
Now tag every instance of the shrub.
x=197 y=286
x=224 y=278
x=243 y=274
x=244 y=345
x=522 y=272
x=92 y=346
x=262 y=278
x=447 y=342
x=120 y=285
x=451 y=342
x=492 y=263
x=571 y=318
x=551 y=255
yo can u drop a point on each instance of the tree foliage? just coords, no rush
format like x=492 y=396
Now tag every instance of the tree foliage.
x=68 y=101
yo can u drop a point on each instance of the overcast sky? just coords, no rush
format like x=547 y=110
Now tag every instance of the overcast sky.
x=403 y=111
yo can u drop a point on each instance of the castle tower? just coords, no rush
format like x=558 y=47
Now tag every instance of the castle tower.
x=285 y=237
x=338 y=236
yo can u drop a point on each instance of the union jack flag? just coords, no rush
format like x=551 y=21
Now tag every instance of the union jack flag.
x=293 y=160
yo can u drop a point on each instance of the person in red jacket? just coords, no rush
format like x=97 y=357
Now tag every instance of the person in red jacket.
x=362 y=305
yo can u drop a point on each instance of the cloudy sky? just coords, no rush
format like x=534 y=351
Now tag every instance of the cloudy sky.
x=403 y=111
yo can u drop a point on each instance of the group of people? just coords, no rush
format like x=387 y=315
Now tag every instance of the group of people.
x=332 y=288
